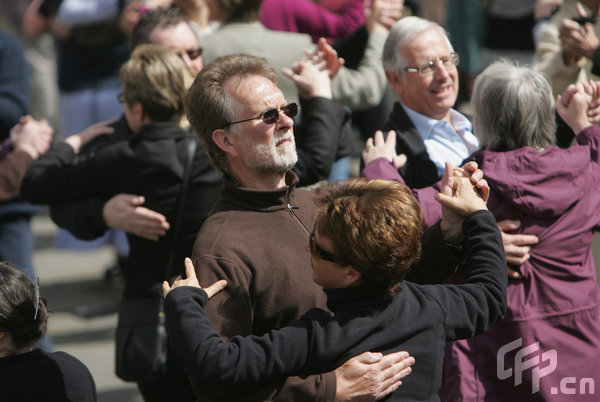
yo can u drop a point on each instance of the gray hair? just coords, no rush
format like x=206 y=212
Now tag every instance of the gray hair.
x=404 y=31
x=513 y=107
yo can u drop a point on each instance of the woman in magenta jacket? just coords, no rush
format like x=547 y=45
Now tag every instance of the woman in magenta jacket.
x=548 y=344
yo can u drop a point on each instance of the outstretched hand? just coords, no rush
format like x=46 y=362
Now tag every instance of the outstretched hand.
x=192 y=280
x=77 y=141
x=330 y=56
x=377 y=147
x=516 y=246
x=381 y=15
x=311 y=77
x=371 y=376
x=578 y=40
x=125 y=212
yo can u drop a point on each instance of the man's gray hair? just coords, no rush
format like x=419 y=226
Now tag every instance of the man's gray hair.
x=513 y=107
x=403 y=32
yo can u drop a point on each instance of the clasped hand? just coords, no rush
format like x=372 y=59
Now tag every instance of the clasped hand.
x=192 y=280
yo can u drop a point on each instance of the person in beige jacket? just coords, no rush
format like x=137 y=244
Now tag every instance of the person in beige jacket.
x=569 y=51
x=242 y=32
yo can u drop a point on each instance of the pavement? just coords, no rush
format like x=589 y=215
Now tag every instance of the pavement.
x=84 y=305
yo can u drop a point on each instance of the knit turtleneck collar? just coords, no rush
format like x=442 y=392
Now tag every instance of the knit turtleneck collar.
x=259 y=200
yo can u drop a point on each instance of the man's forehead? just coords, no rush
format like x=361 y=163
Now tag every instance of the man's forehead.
x=176 y=37
x=253 y=89
x=428 y=44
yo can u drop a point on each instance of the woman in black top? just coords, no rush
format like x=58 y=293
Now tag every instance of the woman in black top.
x=30 y=374
x=367 y=235
x=150 y=163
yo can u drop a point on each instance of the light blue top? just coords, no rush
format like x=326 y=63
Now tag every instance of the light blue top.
x=443 y=141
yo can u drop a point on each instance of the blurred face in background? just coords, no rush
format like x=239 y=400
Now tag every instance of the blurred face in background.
x=130 y=14
x=181 y=39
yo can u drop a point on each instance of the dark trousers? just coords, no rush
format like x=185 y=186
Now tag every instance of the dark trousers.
x=173 y=386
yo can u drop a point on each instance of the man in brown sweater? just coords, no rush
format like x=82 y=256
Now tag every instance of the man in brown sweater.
x=256 y=234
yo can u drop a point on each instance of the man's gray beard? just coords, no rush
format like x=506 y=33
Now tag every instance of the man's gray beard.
x=267 y=158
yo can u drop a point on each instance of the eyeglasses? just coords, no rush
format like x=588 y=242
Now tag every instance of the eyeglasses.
x=428 y=68
x=271 y=116
x=315 y=249
x=192 y=54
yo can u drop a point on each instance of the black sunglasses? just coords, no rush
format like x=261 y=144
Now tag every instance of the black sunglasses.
x=193 y=54
x=315 y=249
x=271 y=116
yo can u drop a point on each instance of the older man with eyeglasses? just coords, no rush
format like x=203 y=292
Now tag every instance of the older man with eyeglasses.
x=420 y=65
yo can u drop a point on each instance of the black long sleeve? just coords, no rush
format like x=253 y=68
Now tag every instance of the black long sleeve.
x=420 y=319
x=317 y=138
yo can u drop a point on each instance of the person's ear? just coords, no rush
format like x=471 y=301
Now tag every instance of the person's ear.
x=224 y=140
x=138 y=111
x=352 y=277
x=396 y=81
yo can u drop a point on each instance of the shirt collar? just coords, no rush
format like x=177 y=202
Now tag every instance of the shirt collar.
x=425 y=124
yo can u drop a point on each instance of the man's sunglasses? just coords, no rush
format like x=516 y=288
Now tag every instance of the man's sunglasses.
x=192 y=54
x=315 y=249
x=271 y=116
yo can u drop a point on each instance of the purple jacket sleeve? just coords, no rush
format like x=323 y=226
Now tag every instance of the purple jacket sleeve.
x=306 y=16
x=382 y=169
x=590 y=136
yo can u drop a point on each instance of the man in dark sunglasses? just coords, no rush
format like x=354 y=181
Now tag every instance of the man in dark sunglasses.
x=317 y=142
x=170 y=28
x=256 y=234
x=271 y=116
x=318 y=134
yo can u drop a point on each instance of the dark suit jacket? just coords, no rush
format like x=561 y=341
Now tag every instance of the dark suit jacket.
x=419 y=170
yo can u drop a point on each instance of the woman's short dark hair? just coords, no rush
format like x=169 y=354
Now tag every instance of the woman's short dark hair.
x=18 y=308
x=375 y=227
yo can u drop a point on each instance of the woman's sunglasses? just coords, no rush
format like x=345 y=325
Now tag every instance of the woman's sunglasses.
x=315 y=249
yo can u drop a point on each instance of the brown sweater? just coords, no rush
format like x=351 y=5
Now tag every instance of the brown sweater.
x=255 y=240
